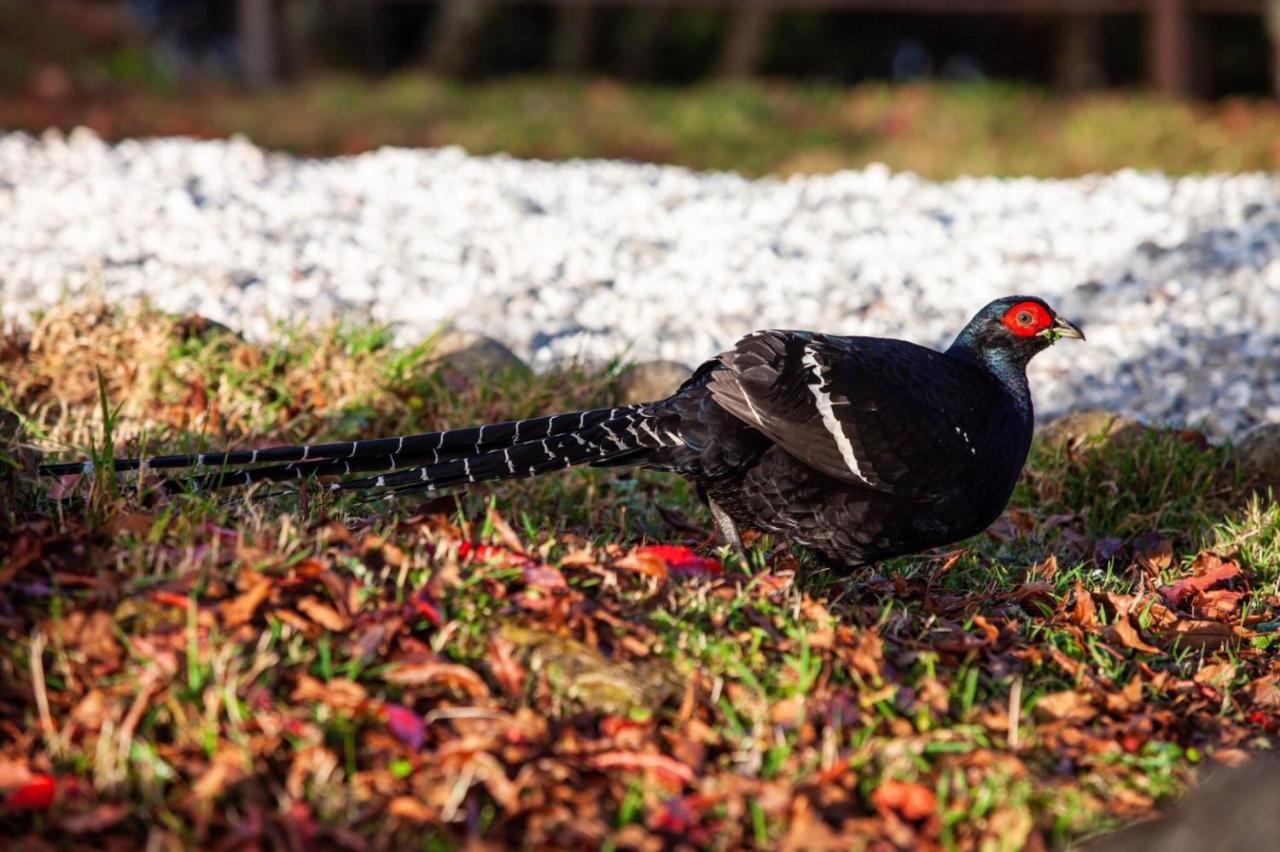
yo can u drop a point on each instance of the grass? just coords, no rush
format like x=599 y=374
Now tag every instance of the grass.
x=514 y=666
x=757 y=128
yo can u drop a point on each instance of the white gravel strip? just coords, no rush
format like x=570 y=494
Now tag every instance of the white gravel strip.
x=1176 y=281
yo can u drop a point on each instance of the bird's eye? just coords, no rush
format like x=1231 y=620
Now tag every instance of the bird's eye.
x=1023 y=318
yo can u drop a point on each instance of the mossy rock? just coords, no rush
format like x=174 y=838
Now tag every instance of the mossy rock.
x=473 y=354
x=587 y=678
x=1258 y=454
x=648 y=381
x=1092 y=428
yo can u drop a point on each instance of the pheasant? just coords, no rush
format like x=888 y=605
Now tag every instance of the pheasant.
x=859 y=448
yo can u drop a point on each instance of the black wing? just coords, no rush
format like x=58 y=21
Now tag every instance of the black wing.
x=883 y=414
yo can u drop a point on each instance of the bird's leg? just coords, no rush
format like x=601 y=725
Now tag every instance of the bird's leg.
x=727 y=529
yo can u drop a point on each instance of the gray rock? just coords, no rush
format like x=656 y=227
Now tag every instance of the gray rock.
x=1095 y=427
x=1234 y=809
x=1258 y=452
x=648 y=381
x=473 y=354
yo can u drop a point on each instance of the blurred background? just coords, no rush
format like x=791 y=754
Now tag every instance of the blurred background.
x=941 y=87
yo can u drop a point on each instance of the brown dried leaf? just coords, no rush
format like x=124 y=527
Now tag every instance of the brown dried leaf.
x=241 y=609
x=1123 y=632
x=1084 y=612
x=1066 y=706
x=863 y=651
x=339 y=693
x=505 y=667
x=1216 y=675
x=1264 y=693
x=448 y=675
x=91 y=633
x=1199 y=632
x=411 y=809
x=323 y=614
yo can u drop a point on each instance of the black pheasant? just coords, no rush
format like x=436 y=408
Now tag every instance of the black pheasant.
x=860 y=448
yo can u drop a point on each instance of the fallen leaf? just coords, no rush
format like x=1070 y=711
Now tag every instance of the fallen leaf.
x=98 y=819
x=505 y=667
x=676 y=559
x=406 y=725
x=491 y=553
x=411 y=809
x=1084 y=612
x=338 y=693
x=1066 y=706
x=1199 y=632
x=241 y=609
x=543 y=577
x=14 y=773
x=323 y=614
x=1208 y=571
x=1216 y=675
x=911 y=801
x=662 y=766
x=448 y=675
x=1123 y=632
x=35 y=794
x=1218 y=604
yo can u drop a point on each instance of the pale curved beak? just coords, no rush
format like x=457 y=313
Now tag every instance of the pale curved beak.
x=1062 y=328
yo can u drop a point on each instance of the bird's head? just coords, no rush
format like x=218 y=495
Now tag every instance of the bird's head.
x=1013 y=329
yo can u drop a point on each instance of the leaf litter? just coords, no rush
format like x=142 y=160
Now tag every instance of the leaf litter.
x=315 y=678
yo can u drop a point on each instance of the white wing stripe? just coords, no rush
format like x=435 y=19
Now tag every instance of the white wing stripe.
x=823 y=401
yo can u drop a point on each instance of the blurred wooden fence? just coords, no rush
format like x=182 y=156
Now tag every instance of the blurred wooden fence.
x=1169 y=44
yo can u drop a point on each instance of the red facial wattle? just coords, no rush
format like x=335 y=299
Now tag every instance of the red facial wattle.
x=1027 y=319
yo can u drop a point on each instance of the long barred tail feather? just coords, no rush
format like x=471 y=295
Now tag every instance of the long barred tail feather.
x=608 y=440
x=451 y=443
x=436 y=460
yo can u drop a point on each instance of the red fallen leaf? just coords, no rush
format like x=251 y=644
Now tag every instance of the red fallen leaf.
x=611 y=726
x=491 y=553
x=406 y=725
x=170 y=599
x=911 y=801
x=424 y=606
x=1266 y=721
x=665 y=767
x=543 y=577
x=34 y=795
x=681 y=560
x=1209 y=570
